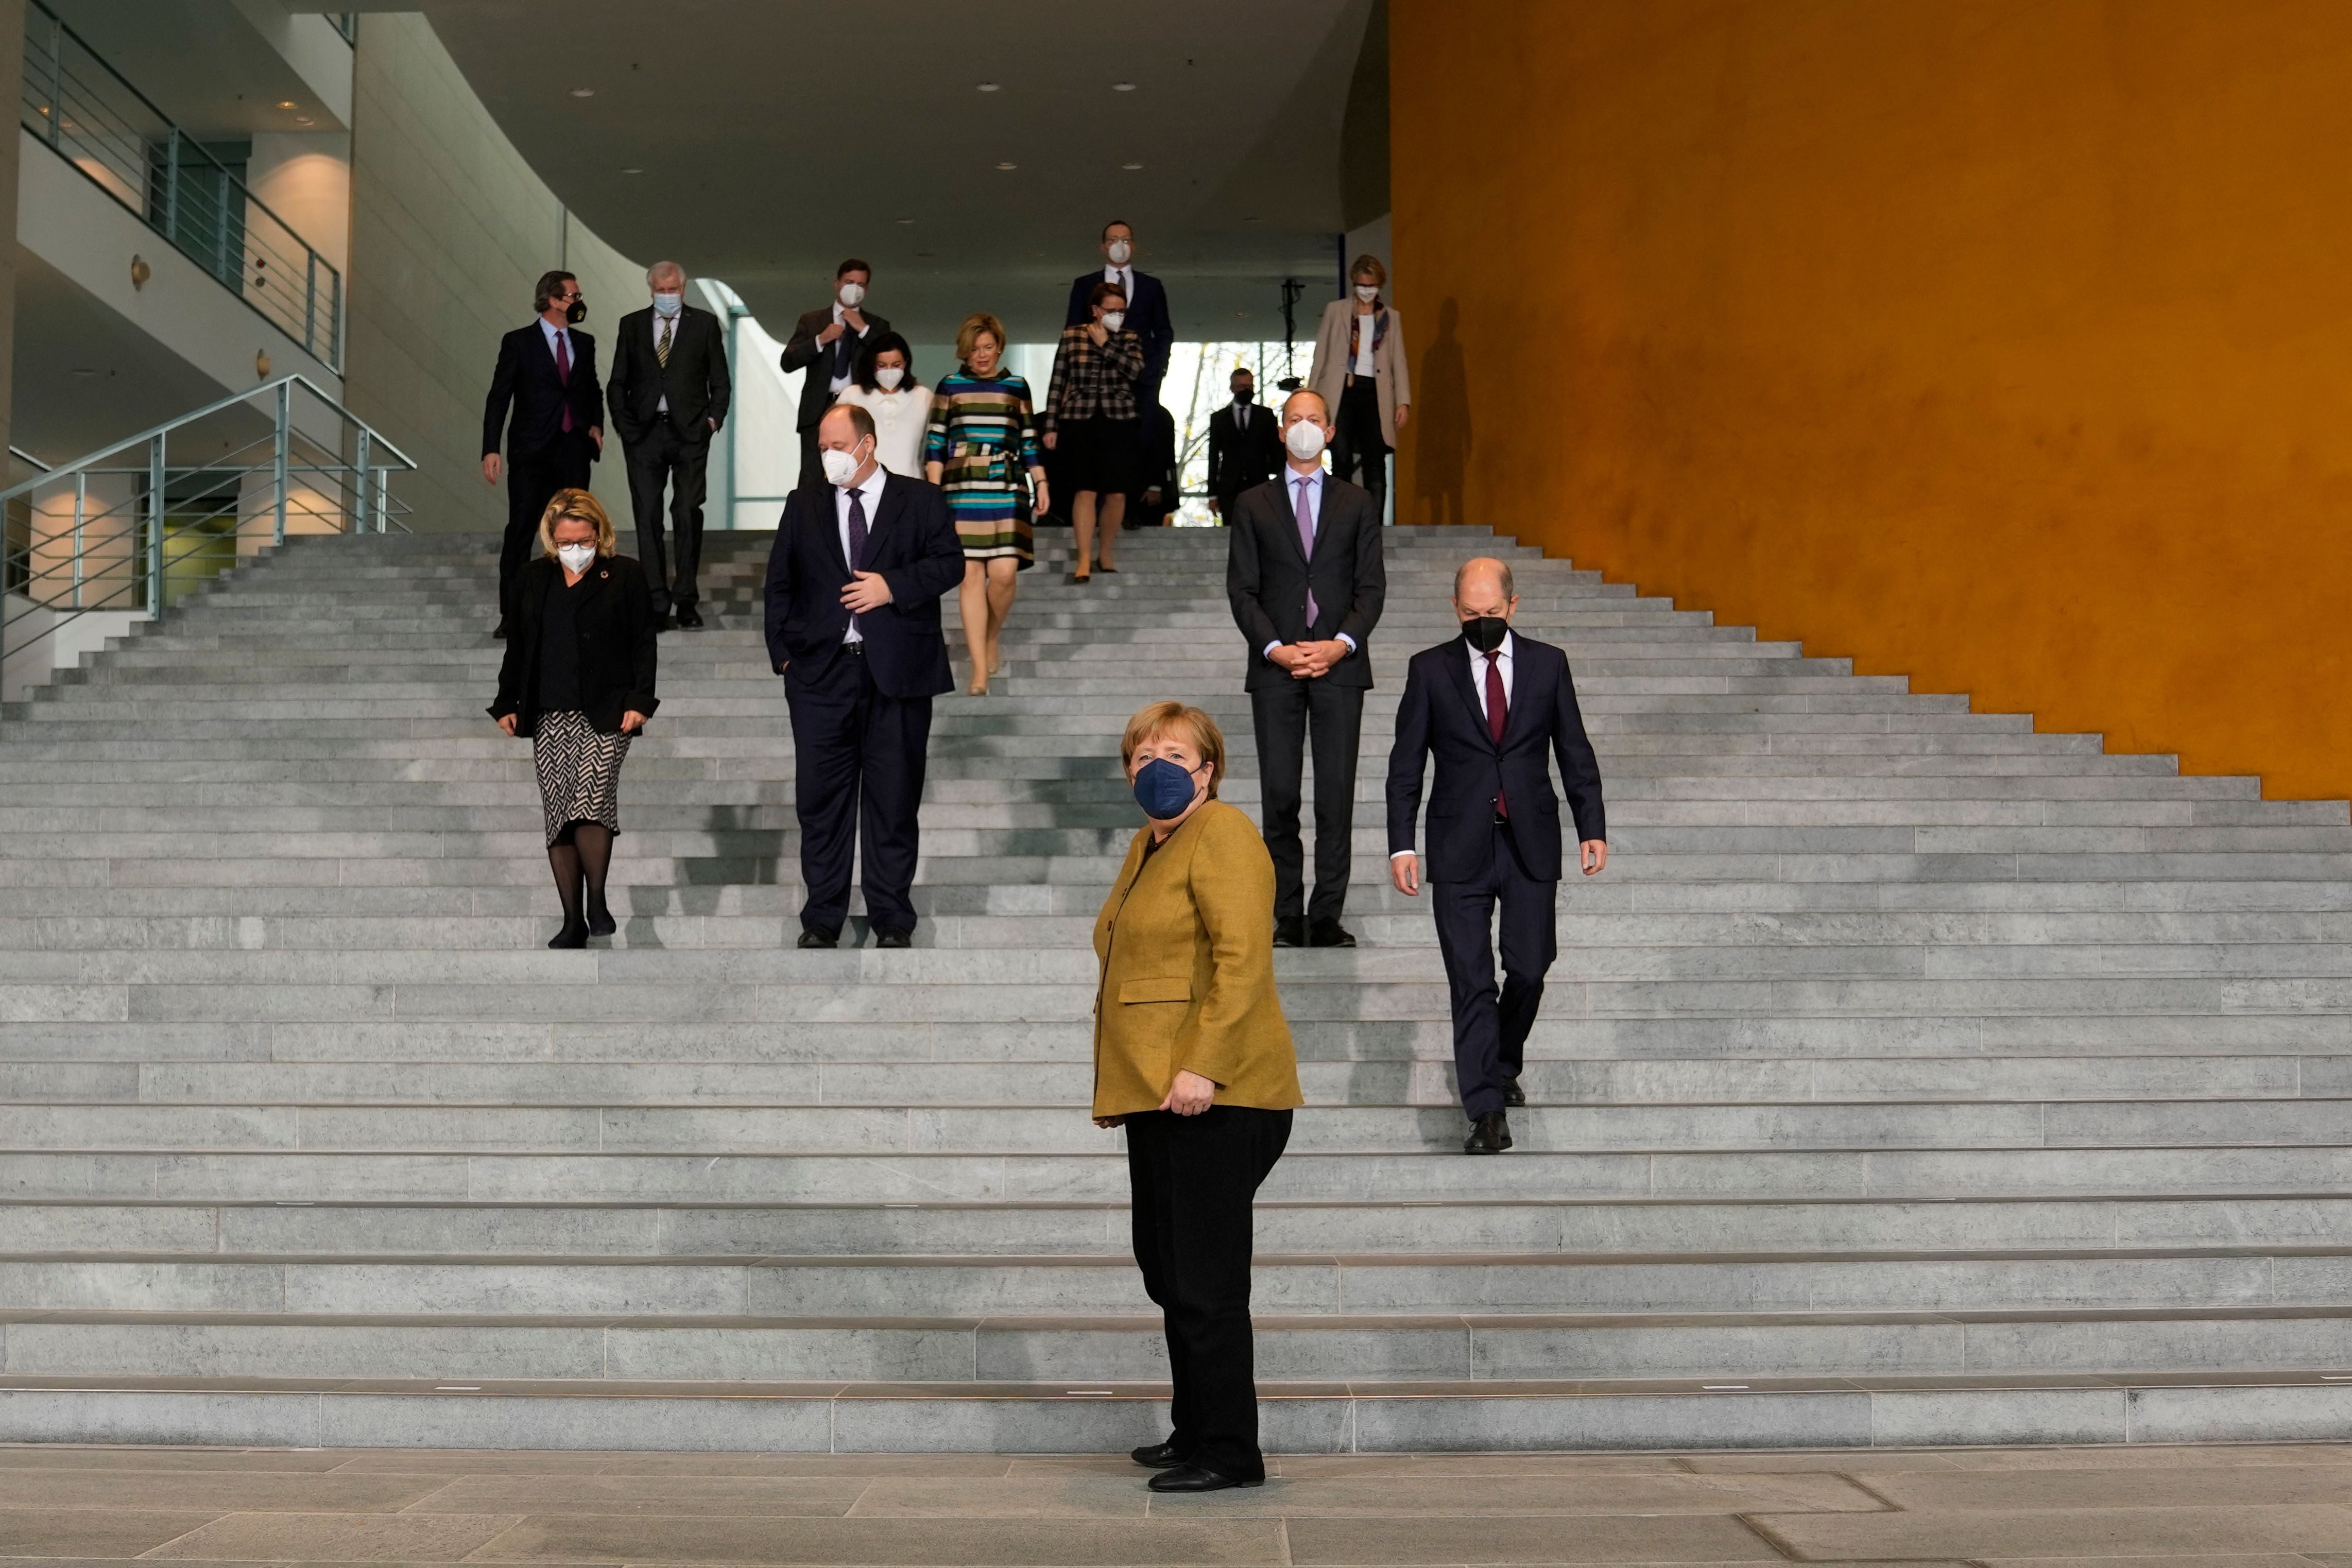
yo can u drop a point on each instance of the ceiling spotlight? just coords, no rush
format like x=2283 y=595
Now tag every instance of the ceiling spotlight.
x=304 y=119
x=1122 y=86
x=583 y=92
x=285 y=103
x=906 y=220
x=1008 y=164
x=989 y=86
x=1130 y=165
x=633 y=171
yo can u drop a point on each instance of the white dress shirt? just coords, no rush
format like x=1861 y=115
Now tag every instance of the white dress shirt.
x=1502 y=656
x=1367 y=330
x=548 y=331
x=1504 y=661
x=677 y=324
x=1124 y=277
x=1311 y=482
x=840 y=382
x=869 y=489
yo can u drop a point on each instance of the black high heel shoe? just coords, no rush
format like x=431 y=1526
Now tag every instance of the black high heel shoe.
x=570 y=936
x=600 y=919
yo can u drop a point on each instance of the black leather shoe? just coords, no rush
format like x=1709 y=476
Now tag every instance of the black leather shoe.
x=689 y=619
x=1489 y=1135
x=1192 y=1477
x=501 y=632
x=812 y=937
x=570 y=936
x=1157 y=1457
x=1512 y=1094
x=1330 y=934
x=1290 y=933
x=665 y=623
x=600 y=922
x=894 y=939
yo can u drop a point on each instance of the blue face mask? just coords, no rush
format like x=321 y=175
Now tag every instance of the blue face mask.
x=1163 y=789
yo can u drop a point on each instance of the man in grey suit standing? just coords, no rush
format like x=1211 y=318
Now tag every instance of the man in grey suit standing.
x=1305 y=573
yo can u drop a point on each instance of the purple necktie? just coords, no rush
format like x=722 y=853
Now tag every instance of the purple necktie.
x=857 y=542
x=563 y=370
x=1498 y=716
x=1307 y=542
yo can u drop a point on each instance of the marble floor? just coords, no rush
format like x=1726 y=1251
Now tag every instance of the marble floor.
x=2284 y=1506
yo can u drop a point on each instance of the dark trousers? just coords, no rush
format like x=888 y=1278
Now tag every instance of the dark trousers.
x=1193 y=1178
x=532 y=479
x=1283 y=717
x=1359 y=440
x=1490 y=1031
x=858 y=758
x=664 y=460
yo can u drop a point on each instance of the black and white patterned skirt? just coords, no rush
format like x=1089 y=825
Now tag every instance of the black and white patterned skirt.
x=579 y=771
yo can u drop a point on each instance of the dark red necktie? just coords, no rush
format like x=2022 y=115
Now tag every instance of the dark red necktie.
x=1498 y=713
x=563 y=370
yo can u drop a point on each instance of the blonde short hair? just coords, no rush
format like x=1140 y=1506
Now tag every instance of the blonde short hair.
x=581 y=506
x=1368 y=263
x=1187 y=723
x=968 y=335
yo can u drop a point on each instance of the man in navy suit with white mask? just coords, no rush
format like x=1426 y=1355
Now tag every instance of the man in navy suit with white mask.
x=852 y=599
x=1492 y=708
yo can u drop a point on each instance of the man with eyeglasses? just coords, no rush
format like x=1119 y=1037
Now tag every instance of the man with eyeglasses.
x=547 y=376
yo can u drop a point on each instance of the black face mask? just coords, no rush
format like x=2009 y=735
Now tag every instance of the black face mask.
x=1243 y=394
x=577 y=313
x=1485 y=632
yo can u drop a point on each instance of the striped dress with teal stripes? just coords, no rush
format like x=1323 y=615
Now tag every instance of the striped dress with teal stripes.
x=984 y=437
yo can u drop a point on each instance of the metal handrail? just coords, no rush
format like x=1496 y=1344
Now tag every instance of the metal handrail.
x=127 y=528
x=92 y=116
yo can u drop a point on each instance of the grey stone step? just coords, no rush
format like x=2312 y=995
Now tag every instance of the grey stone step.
x=1079 y=1351
x=1428 y=1281
x=1629 y=1233
x=1055 y=1417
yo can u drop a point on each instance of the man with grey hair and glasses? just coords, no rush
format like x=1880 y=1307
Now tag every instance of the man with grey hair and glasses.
x=1495 y=708
x=668 y=398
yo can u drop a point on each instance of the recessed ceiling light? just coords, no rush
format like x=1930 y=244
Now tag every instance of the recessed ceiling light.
x=583 y=92
x=989 y=86
x=1130 y=165
x=304 y=119
x=1008 y=164
x=285 y=103
x=1122 y=86
x=906 y=220
x=633 y=171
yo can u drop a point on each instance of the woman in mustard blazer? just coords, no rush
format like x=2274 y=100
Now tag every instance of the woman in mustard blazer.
x=1194 y=1059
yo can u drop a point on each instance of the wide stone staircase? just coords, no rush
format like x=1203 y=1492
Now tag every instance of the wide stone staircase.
x=1909 y=1077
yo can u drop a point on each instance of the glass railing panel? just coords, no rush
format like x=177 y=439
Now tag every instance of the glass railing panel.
x=98 y=121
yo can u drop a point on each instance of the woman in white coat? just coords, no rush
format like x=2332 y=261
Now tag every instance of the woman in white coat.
x=1360 y=373
x=885 y=386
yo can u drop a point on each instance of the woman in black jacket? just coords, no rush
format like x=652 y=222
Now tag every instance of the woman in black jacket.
x=579 y=680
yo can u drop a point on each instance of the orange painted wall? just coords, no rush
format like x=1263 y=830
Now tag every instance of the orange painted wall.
x=2002 y=343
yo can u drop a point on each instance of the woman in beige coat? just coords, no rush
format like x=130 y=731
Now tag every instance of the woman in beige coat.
x=1360 y=373
x=1194 y=1059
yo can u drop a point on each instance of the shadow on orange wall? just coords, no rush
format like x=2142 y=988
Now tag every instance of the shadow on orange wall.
x=1440 y=429
x=2006 y=344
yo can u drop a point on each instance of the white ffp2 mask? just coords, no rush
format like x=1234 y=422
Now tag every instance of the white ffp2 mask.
x=576 y=559
x=1305 y=440
x=840 y=467
x=888 y=377
x=1114 y=320
x=1120 y=253
x=1367 y=292
x=851 y=296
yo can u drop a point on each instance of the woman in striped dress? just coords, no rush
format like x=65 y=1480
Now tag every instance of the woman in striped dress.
x=980 y=438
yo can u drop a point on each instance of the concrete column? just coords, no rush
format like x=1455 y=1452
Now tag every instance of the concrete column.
x=12 y=73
